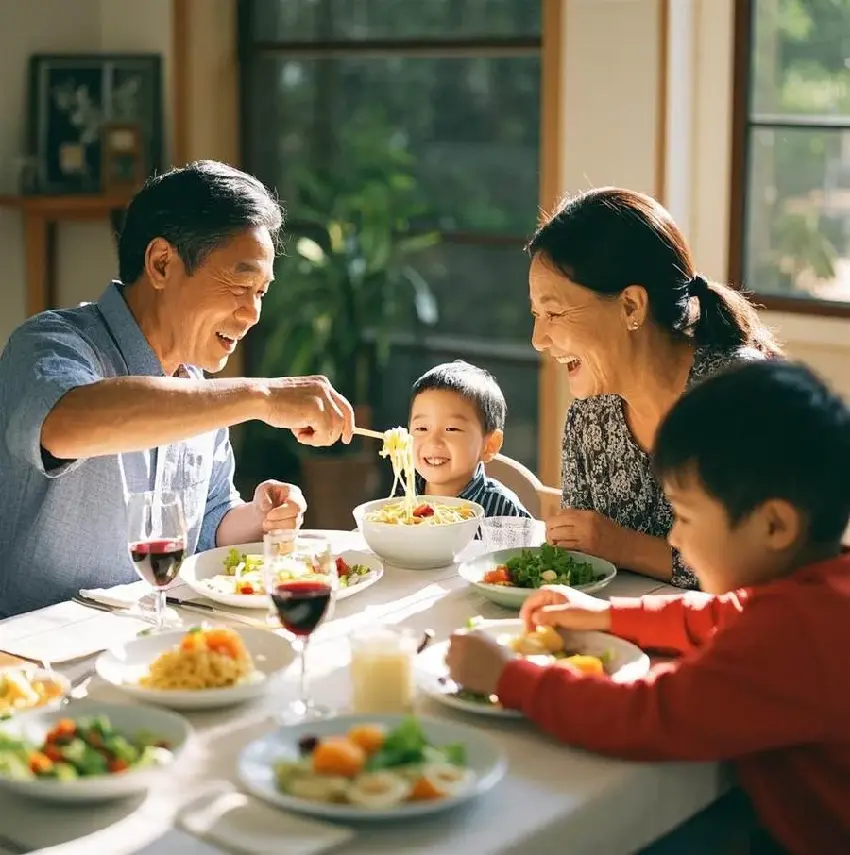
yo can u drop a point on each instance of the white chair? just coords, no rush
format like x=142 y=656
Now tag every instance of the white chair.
x=540 y=501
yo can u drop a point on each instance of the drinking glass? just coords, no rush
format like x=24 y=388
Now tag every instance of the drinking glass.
x=156 y=539
x=382 y=662
x=301 y=580
x=511 y=533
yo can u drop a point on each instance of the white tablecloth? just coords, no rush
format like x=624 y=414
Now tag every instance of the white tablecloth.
x=554 y=799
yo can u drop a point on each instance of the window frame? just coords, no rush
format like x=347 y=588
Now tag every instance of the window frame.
x=742 y=129
x=547 y=46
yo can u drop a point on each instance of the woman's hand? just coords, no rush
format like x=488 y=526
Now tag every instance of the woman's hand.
x=590 y=532
x=565 y=608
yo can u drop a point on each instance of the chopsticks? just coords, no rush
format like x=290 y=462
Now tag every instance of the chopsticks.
x=372 y=434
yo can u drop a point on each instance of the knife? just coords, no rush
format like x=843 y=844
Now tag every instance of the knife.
x=204 y=608
x=186 y=605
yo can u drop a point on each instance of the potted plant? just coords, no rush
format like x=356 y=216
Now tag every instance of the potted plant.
x=344 y=285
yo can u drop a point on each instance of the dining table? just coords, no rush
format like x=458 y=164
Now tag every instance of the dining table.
x=553 y=799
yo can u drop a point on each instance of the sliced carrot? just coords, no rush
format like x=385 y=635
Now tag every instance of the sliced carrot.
x=40 y=764
x=370 y=737
x=424 y=790
x=338 y=756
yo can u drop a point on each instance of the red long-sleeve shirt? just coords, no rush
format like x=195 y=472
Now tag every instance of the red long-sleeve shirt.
x=762 y=680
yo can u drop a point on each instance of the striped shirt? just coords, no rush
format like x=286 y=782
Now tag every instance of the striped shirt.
x=496 y=499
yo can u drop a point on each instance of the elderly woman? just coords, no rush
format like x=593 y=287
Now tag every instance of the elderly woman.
x=617 y=301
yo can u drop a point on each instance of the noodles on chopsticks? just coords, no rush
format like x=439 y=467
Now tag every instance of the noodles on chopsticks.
x=398 y=447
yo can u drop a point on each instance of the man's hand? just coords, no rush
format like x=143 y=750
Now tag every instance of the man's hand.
x=280 y=505
x=311 y=408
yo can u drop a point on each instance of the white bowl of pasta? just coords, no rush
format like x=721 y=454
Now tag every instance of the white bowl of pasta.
x=423 y=535
x=201 y=668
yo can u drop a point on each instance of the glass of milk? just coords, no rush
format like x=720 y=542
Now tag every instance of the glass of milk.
x=381 y=673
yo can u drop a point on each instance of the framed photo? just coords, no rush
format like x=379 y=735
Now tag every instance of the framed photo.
x=73 y=97
x=122 y=157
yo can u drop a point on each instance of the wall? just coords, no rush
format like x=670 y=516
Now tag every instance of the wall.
x=614 y=58
x=85 y=254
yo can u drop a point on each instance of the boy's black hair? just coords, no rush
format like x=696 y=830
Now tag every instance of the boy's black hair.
x=473 y=384
x=759 y=431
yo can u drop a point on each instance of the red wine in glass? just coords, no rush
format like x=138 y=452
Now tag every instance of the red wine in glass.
x=301 y=604
x=158 y=561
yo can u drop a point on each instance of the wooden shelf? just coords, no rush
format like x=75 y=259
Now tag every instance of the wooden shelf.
x=40 y=215
x=67 y=207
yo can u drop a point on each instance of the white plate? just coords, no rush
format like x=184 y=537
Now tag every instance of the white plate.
x=204 y=565
x=123 y=666
x=35 y=673
x=129 y=720
x=513 y=598
x=627 y=663
x=256 y=765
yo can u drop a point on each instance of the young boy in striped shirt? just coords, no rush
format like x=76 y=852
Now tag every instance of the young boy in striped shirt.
x=457 y=419
x=756 y=464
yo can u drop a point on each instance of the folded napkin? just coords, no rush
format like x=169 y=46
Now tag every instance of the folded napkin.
x=123 y=596
x=225 y=817
x=65 y=632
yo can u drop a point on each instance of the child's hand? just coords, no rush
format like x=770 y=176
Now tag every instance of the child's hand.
x=476 y=661
x=561 y=606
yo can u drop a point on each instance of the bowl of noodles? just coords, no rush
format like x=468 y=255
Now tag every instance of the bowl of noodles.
x=423 y=534
x=201 y=668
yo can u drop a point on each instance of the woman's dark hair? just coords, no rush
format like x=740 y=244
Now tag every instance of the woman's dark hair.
x=765 y=429
x=196 y=208
x=607 y=239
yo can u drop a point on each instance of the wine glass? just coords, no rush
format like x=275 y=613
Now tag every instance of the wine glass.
x=301 y=579
x=156 y=538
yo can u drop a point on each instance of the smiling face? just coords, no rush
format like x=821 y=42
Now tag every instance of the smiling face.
x=586 y=332
x=200 y=317
x=449 y=440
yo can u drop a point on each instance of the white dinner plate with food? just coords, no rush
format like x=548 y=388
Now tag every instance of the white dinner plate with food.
x=89 y=751
x=371 y=767
x=621 y=660
x=28 y=687
x=233 y=575
x=204 y=668
x=437 y=530
x=516 y=573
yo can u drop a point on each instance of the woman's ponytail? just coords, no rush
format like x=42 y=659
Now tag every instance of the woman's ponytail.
x=728 y=319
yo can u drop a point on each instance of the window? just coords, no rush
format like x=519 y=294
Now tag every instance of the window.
x=794 y=64
x=457 y=84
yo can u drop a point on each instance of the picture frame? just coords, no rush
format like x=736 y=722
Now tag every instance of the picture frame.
x=72 y=97
x=122 y=157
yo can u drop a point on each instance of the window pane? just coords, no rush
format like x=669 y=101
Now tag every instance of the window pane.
x=472 y=125
x=801 y=57
x=481 y=290
x=353 y=20
x=798 y=213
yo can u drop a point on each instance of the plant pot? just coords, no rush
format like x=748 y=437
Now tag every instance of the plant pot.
x=334 y=486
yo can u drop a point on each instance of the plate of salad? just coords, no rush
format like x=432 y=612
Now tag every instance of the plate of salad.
x=372 y=767
x=508 y=576
x=233 y=575
x=89 y=751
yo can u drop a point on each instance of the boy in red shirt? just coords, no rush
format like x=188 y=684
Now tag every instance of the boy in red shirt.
x=756 y=464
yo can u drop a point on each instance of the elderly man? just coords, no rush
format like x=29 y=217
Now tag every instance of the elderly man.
x=111 y=395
